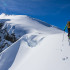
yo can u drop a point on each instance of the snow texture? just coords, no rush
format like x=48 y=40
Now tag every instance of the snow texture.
x=39 y=47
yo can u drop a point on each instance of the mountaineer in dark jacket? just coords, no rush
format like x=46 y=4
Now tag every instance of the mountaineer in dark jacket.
x=68 y=27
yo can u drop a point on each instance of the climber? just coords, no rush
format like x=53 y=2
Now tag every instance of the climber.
x=68 y=27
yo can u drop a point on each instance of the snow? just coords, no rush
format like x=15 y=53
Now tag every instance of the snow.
x=44 y=56
x=39 y=47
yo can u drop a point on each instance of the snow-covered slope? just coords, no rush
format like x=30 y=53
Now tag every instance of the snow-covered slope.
x=38 y=47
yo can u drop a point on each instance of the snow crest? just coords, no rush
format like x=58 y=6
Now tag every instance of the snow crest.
x=32 y=45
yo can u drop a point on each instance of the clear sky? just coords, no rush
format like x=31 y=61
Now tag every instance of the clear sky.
x=55 y=12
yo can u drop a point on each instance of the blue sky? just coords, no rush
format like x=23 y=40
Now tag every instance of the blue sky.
x=55 y=12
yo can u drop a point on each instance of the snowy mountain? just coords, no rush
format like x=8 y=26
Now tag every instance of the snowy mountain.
x=32 y=45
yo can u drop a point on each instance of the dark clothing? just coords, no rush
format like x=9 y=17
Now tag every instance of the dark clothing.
x=68 y=24
x=68 y=32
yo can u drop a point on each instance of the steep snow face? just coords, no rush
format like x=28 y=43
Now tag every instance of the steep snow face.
x=38 y=47
x=15 y=26
x=27 y=24
x=49 y=53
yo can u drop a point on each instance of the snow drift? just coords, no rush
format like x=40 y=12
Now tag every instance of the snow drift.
x=38 y=47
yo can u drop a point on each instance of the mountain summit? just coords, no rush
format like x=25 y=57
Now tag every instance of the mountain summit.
x=31 y=44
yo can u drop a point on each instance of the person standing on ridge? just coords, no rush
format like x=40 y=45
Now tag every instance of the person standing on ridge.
x=68 y=26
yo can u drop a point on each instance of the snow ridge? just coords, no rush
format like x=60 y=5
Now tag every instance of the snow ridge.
x=37 y=47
